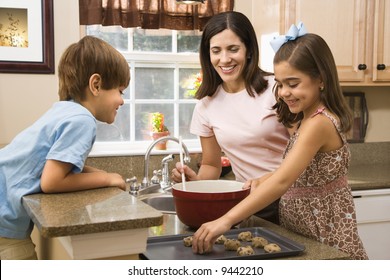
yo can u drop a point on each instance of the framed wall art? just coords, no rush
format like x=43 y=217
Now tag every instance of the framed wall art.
x=26 y=36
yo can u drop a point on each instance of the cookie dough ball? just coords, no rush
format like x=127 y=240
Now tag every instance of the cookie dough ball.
x=232 y=244
x=245 y=251
x=272 y=248
x=187 y=241
x=245 y=236
x=221 y=240
x=259 y=242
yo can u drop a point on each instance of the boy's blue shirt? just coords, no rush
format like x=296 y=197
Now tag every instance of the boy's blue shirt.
x=65 y=133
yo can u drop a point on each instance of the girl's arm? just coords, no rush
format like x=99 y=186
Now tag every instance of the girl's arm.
x=58 y=177
x=314 y=135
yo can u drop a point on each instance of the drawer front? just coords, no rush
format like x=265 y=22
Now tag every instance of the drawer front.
x=373 y=208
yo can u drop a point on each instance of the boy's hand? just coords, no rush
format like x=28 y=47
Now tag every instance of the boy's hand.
x=116 y=180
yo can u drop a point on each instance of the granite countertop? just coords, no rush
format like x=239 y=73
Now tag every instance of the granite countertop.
x=361 y=176
x=369 y=176
x=91 y=211
x=313 y=250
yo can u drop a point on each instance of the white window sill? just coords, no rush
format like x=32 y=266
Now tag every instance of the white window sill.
x=107 y=149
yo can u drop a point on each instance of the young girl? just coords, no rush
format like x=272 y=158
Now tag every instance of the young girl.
x=316 y=200
x=49 y=156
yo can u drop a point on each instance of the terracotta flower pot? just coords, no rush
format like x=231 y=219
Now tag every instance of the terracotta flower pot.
x=163 y=144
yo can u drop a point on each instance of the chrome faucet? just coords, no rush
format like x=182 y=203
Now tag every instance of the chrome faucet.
x=165 y=182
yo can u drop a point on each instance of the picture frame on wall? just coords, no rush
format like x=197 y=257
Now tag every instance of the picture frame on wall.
x=26 y=36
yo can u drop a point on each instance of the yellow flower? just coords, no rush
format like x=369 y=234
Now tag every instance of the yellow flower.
x=192 y=85
x=157 y=122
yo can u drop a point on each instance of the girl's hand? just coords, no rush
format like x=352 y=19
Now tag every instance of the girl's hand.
x=188 y=172
x=204 y=238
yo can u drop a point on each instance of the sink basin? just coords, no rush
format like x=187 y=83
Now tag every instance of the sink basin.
x=163 y=203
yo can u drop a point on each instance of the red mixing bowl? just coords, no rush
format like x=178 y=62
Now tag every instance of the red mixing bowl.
x=206 y=200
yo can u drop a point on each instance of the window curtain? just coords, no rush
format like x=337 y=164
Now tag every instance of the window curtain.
x=151 y=14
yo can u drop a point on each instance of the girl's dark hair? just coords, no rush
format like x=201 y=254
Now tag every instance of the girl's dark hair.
x=311 y=55
x=242 y=27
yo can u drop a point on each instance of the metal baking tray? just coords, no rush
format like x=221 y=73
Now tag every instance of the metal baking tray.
x=171 y=247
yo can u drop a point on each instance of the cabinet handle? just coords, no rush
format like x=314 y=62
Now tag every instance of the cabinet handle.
x=381 y=67
x=362 y=67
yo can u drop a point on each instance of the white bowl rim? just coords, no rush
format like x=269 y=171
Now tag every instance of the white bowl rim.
x=210 y=186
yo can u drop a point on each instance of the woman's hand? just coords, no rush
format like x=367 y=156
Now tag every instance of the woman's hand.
x=188 y=172
x=254 y=183
x=204 y=238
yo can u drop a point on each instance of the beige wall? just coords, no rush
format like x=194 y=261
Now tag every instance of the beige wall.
x=25 y=97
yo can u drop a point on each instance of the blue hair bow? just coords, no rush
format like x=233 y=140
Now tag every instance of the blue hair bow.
x=293 y=33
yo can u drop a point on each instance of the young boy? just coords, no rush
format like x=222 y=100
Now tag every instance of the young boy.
x=49 y=156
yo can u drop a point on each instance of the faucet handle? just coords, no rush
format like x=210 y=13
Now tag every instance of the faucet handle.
x=131 y=180
x=134 y=187
x=155 y=179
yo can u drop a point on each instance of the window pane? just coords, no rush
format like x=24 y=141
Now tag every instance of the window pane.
x=117 y=131
x=115 y=35
x=152 y=40
x=141 y=118
x=126 y=93
x=185 y=116
x=188 y=82
x=188 y=41
x=154 y=83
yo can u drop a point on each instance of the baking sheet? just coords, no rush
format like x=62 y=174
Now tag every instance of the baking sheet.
x=171 y=247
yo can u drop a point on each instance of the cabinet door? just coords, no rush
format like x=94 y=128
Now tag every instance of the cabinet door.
x=373 y=221
x=381 y=54
x=343 y=26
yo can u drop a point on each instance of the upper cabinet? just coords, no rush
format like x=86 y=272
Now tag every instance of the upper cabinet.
x=381 y=48
x=357 y=31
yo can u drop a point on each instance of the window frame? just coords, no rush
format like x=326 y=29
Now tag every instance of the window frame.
x=148 y=59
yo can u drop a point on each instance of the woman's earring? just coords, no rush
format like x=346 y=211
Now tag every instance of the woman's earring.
x=322 y=89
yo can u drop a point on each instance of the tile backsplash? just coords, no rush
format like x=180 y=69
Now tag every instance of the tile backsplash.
x=129 y=166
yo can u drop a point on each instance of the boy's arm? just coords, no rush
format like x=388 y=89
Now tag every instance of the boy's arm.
x=58 y=177
x=88 y=169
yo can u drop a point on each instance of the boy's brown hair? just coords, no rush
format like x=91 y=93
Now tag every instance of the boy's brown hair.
x=90 y=56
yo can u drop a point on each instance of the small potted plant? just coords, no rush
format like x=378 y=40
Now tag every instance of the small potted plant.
x=158 y=129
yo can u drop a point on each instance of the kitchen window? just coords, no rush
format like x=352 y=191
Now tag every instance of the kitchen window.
x=163 y=64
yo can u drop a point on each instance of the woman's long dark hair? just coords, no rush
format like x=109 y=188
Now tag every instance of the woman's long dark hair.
x=311 y=55
x=242 y=27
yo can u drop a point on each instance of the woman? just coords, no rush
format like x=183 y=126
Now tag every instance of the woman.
x=234 y=114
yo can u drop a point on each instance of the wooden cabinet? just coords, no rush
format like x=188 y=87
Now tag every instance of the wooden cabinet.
x=357 y=31
x=381 y=48
x=373 y=221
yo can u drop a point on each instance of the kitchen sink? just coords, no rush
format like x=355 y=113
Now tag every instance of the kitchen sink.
x=160 y=202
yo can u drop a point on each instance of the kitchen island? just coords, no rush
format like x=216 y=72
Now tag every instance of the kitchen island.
x=101 y=223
